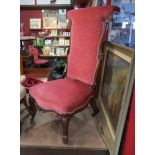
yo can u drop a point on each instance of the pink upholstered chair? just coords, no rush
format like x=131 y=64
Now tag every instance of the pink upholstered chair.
x=37 y=61
x=68 y=96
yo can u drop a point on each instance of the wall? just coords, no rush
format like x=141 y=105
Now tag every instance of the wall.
x=25 y=16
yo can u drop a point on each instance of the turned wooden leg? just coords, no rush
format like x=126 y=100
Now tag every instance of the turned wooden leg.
x=94 y=106
x=65 y=125
x=32 y=107
x=24 y=101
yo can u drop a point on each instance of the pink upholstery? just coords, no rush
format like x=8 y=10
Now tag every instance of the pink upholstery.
x=63 y=96
x=66 y=96
x=86 y=35
x=41 y=61
x=29 y=82
x=34 y=52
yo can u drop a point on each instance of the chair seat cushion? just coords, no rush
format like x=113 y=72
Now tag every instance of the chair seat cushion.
x=41 y=61
x=63 y=96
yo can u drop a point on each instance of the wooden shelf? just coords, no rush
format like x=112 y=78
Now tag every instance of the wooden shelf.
x=53 y=56
x=50 y=6
x=59 y=46
x=53 y=46
x=38 y=46
x=50 y=37
x=50 y=29
x=37 y=72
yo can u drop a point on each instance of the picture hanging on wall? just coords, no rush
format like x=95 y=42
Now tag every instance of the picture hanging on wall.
x=49 y=22
x=35 y=23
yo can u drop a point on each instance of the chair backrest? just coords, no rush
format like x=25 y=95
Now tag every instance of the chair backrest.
x=87 y=30
x=34 y=52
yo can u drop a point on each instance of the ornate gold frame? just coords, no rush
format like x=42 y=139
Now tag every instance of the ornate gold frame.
x=113 y=137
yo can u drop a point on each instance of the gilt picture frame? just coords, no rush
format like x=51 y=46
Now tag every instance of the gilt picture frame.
x=117 y=79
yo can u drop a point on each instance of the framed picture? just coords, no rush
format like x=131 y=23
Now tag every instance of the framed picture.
x=35 y=23
x=117 y=78
x=49 y=22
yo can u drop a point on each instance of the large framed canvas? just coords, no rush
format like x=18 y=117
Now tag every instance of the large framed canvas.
x=117 y=78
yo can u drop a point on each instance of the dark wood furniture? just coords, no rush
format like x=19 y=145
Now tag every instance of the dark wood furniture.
x=50 y=6
x=25 y=59
x=37 y=72
x=28 y=107
x=34 y=73
x=26 y=38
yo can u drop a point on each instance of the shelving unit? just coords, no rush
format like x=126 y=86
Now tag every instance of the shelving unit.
x=43 y=32
x=50 y=29
x=53 y=56
x=51 y=37
x=62 y=36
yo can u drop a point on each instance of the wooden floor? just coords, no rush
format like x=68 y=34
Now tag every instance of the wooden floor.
x=60 y=151
x=44 y=137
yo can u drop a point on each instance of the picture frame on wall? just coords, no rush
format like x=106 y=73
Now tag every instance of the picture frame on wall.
x=117 y=79
x=49 y=22
x=35 y=23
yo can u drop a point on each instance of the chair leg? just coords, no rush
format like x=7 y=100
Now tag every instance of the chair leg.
x=94 y=106
x=65 y=126
x=24 y=101
x=32 y=107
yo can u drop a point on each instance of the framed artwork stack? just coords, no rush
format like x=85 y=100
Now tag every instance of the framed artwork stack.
x=117 y=79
